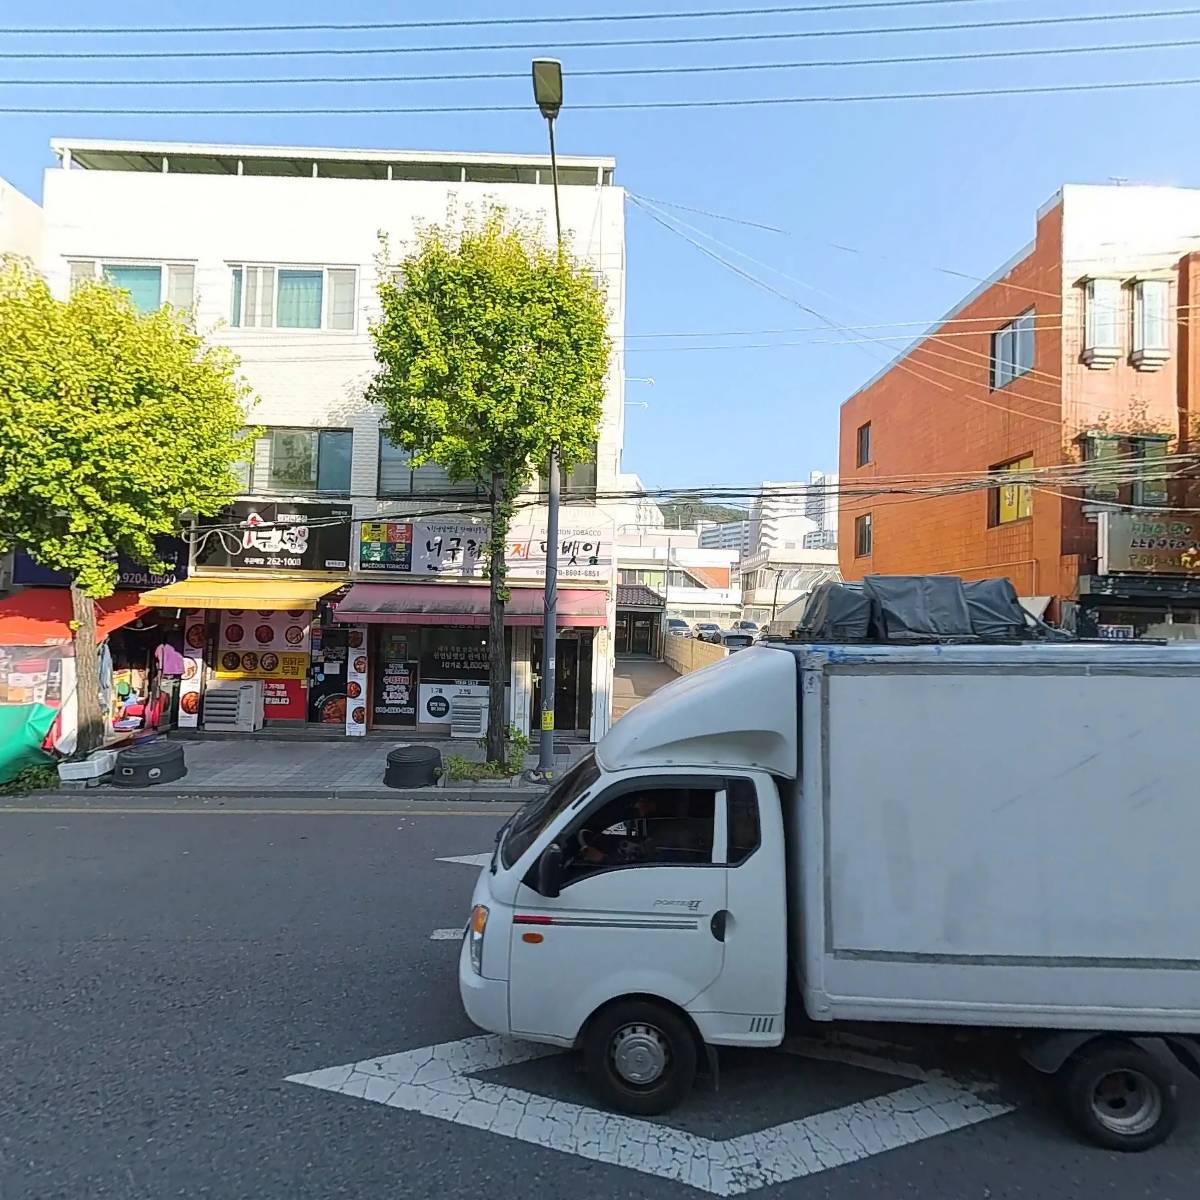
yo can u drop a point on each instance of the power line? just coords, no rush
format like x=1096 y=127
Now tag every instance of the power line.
x=616 y=72
x=639 y=106
x=477 y=22
x=604 y=43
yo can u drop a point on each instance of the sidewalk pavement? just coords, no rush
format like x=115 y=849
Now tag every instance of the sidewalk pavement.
x=257 y=766
x=635 y=678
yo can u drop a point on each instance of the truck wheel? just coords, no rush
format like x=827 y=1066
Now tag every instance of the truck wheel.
x=1119 y=1095
x=640 y=1057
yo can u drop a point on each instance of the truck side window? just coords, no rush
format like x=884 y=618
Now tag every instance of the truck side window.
x=644 y=828
x=743 y=821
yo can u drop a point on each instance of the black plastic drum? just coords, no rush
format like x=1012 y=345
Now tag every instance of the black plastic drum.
x=144 y=766
x=412 y=766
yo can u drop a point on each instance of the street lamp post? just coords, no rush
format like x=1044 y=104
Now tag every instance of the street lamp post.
x=548 y=92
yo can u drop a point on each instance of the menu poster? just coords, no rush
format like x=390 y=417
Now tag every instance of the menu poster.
x=356 y=681
x=193 y=668
x=386 y=546
x=395 y=693
x=263 y=645
x=284 y=700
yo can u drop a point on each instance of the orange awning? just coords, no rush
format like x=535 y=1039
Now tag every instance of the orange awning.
x=42 y=616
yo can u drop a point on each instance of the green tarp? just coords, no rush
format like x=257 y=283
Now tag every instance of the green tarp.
x=23 y=728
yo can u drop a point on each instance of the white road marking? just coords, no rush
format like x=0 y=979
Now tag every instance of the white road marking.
x=437 y=1081
x=446 y=935
x=470 y=860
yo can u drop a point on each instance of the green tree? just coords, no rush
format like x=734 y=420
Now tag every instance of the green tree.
x=112 y=425
x=492 y=350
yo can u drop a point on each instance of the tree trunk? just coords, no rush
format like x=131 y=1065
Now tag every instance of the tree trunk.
x=498 y=571
x=87 y=675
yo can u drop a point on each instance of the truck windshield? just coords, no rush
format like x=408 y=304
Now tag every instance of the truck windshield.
x=537 y=814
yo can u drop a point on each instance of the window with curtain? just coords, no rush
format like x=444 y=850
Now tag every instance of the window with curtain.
x=1102 y=322
x=398 y=477
x=1012 y=501
x=1131 y=463
x=1151 y=323
x=144 y=282
x=267 y=297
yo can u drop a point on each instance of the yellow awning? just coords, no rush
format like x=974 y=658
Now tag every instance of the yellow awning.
x=265 y=594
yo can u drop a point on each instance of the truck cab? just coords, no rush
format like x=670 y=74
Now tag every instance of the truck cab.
x=639 y=908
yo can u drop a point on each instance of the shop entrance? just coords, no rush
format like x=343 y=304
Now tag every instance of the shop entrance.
x=635 y=632
x=394 y=683
x=572 y=683
x=327 y=695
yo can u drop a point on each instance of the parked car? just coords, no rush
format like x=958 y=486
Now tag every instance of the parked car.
x=745 y=626
x=677 y=627
x=736 y=639
x=707 y=631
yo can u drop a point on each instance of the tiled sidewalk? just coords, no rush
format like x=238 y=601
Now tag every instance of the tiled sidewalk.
x=262 y=766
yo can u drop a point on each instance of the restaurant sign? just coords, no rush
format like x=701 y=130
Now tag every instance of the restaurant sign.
x=1149 y=543
x=282 y=537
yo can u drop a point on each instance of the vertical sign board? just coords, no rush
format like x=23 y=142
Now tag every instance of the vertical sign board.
x=193 y=668
x=356 y=681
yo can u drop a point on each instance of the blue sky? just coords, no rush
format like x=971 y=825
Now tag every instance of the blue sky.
x=913 y=186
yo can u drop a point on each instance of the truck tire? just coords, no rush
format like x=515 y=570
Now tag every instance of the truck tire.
x=1119 y=1095
x=640 y=1057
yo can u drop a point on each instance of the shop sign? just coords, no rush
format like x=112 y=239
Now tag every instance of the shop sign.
x=396 y=693
x=460 y=549
x=435 y=700
x=1149 y=543
x=455 y=654
x=131 y=576
x=284 y=700
x=282 y=537
x=263 y=645
x=1116 y=633
x=385 y=546
x=194 y=634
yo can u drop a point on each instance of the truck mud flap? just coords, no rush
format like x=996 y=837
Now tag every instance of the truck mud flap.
x=1187 y=1051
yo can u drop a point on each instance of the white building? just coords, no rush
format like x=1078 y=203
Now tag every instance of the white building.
x=773 y=579
x=821 y=506
x=726 y=535
x=695 y=584
x=20 y=223
x=277 y=249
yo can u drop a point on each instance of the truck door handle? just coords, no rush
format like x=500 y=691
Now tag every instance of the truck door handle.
x=717 y=924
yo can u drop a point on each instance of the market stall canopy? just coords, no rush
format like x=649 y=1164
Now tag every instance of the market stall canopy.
x=263 y=594
x=450 y=604
x=42 y=616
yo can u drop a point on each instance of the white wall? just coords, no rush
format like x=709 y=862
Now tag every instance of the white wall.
x=20 y=223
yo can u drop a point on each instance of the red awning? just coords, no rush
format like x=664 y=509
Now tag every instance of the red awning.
x=42 y=616
x=450 y=604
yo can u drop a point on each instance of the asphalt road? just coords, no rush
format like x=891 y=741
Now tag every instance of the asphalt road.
x=163 y=973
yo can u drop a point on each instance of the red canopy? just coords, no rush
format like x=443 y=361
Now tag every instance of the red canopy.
x=457 y=604
x=42 y=616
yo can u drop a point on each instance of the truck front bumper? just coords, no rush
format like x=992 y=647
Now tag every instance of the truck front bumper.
x=485 y=1000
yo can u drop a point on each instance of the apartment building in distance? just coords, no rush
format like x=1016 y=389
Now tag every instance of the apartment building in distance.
x=1082 y=348
x=363 y=604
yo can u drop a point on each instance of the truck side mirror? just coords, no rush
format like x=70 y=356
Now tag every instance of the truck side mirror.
x=550 y=871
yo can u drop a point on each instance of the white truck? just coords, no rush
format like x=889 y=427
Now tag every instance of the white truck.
x=981 y=835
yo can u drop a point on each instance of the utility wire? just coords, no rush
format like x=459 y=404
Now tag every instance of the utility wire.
x=605 y=43
x=630 y=106
x=477 y=22
x=617 y=72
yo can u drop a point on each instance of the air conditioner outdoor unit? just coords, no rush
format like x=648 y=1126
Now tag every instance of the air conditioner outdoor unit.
x=468 y=716
x=233 y=705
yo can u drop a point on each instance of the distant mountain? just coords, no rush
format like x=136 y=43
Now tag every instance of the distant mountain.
x=682 y=514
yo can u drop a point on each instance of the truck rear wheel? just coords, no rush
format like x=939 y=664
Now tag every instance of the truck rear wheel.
x=1119 y=1095
x=640 y=1057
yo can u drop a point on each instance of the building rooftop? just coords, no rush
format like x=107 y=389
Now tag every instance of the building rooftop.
x=637 y=595
x=202 y=158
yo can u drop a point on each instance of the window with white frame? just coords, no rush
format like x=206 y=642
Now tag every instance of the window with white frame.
x=299 y=297
x=1012 y=350
x=1151 y=323
x=149 y=285
x=1102 y=305
x=298 y=461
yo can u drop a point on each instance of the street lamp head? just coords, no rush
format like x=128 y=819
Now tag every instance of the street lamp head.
x=547 y=86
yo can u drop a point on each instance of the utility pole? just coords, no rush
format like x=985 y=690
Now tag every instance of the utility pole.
x=774 y=598
x=548 y=92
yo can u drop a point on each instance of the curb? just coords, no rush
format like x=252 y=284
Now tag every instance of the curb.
x=452 y=795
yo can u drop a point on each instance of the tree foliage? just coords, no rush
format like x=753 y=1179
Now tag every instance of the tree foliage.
x=112 y=424
x=683 y=513
x=492 y=351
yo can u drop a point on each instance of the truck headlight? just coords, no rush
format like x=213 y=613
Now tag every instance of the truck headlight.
x=479 y=919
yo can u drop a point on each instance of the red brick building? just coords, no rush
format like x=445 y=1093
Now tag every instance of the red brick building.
x=1080 y=348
